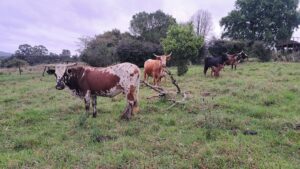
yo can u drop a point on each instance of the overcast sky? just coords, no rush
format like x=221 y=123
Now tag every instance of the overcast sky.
x=57 y=24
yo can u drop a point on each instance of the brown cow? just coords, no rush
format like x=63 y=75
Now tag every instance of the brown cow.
x=155 y=68
x=90 y=82
x=234 y=59
x=215 y=70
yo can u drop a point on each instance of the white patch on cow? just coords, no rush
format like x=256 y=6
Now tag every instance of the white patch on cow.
x=60 y=70
x=128 y=77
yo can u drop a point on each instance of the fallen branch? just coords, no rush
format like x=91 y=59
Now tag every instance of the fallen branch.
x=171 y=96
x=174 y=82
x=158 y=89
x=182 y=101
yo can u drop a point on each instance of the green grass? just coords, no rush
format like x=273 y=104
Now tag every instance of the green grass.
x=42 y=127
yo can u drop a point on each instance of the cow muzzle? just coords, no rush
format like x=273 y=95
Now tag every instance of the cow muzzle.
x=60 y=86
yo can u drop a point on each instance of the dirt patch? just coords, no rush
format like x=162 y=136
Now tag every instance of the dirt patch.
x=104 y=138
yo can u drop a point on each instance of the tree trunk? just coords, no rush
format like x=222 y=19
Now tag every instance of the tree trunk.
x=20 y=71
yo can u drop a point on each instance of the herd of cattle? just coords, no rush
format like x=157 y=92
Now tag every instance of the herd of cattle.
x=89 y=82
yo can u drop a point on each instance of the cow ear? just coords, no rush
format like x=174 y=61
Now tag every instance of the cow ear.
x=50 y=71
x=157 y=57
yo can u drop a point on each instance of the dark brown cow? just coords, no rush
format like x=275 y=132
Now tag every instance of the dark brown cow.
x=90 y=82
x=155 y=68
x=234 y=59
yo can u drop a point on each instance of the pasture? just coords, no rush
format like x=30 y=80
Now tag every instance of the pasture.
x=42 y=127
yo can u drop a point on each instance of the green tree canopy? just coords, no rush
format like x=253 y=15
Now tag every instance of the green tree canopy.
x=134 y=50
x=151 y=26
x=262 y=20
x=182 y=41
x=101 y=50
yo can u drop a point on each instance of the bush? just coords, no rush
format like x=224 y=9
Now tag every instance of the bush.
x=131 y=49
x=261 y=51
x=101 y=50
x=182 y=68
x=202 y=52
x=220 y=47
x=184 y=45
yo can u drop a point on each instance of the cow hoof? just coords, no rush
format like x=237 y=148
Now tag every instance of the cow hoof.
x=125 y=118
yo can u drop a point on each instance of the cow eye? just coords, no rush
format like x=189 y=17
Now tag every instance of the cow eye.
x=69 y=71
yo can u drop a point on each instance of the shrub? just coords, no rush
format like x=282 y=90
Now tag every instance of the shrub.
x=220 y=47
x=184 y=45
x=261 y=51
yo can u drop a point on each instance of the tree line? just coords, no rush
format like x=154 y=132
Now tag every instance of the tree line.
x=39 y=54
x=254 y=26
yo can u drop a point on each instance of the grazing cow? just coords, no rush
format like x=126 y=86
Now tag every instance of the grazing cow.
x=209 y=62
x=234 y=59
x=90 y=82
x=215 y=70
x=155 y=68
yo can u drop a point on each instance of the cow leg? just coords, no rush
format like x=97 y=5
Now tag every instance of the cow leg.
x=94 y=104
x=145 y=76
x=132 y=105
x=234 y=66
x=127 y=112
x=205 y=70
x=87 y=98
x=154 y=80
x=231 y=66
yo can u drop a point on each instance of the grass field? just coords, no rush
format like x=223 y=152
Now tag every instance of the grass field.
x=45 y=128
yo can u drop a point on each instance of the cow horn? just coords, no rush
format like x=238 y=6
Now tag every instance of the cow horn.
x=170 y=54
x=71 y=64
x=155 y=55
x=47 y=66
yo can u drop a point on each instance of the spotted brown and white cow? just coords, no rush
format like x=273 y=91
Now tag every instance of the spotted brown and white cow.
x=90 y=82
x=155 y=68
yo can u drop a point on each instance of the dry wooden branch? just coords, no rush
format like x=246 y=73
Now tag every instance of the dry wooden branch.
x=182 y=101
x=158 y=89
x=169 y=95
x=174 y=82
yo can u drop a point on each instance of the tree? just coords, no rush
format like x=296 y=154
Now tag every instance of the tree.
x=65 y=53
x=101 y=50
x=24 y=52
x=184 y=44
x=14 y=62
x=134 y=50
x=151 y=27
x=39 y=50
x=262 y=20
x=202 y=23
x=32 y=55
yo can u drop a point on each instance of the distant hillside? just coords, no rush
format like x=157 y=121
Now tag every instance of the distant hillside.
x=4 y=55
